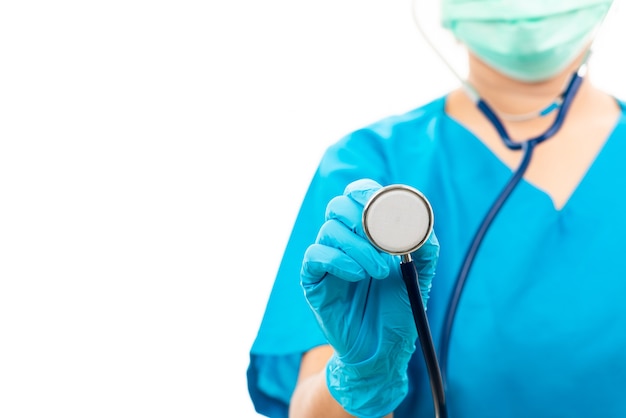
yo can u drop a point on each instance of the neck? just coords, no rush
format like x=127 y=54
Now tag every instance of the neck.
x=512 y=97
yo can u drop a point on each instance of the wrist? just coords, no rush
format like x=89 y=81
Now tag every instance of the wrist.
x=371 y=388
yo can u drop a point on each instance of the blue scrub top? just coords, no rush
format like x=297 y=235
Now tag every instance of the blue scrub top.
x=541 y=326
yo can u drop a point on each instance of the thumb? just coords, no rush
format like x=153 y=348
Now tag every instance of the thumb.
x=362 y=190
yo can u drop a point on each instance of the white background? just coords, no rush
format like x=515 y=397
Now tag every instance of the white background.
x=153 y=155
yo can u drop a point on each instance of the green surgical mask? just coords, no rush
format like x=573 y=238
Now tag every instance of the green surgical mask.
x=528 y=40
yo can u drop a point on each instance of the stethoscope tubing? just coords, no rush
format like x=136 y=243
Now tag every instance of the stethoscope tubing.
x=438 y=372
x=567 y=98
x=527 y=147
x=410 y=278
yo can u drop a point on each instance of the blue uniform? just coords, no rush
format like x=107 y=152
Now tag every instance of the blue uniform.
x=541 y=326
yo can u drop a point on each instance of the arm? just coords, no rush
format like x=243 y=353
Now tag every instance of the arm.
x=311 y=397
x=361 y=304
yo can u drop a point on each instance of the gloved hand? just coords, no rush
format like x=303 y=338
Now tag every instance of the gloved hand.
x=362 y=306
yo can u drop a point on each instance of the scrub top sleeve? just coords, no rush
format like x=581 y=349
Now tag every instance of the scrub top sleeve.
x=288 y=328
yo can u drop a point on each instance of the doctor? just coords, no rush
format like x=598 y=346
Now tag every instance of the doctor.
x=540 y=327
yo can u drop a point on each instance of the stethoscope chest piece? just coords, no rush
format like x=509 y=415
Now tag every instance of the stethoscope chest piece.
x=398 y=219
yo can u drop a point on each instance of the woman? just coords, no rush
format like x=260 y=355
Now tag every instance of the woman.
x=539 y=329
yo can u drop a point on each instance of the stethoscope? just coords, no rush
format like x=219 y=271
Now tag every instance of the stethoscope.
x=398 y=219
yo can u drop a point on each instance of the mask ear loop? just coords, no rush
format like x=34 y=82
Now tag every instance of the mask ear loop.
x=471 y=92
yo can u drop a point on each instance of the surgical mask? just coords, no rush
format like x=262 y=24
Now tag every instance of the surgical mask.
x=528 y=40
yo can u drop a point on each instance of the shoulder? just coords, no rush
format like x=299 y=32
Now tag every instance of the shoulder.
x=374 y=148
x=620 y=127
x=622 y=104
x=388 y=133
x=396 y=126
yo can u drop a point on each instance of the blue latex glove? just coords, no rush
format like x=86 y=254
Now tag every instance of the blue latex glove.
x=362 y=306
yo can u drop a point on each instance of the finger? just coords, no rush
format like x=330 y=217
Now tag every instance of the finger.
x=348 y=212
x=425 y=259
x=320 y=260
x=335 y=234
x=426 y=256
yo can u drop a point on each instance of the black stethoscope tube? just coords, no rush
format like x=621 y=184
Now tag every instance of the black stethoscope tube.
x=409 y=275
